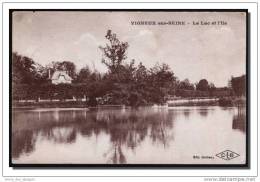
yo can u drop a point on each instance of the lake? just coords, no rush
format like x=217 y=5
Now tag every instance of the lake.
x=147 y=135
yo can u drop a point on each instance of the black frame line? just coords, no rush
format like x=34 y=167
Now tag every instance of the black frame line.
x=137 y=166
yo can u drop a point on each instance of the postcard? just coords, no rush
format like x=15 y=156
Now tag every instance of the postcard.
x=129 y=88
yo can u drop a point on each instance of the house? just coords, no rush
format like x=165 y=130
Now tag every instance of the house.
x=60 y=77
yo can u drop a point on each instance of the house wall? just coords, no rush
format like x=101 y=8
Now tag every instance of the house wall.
x=60 y=81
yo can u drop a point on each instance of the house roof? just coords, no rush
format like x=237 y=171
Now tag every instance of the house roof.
x=57 y=74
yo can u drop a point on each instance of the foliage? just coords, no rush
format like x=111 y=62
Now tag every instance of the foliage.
x=203 y=85
x=225 y=102
x=83 y=75
x=239 y=85
x=114 y=53
x=185 y=85
x=67 y=66
x=125 y=82
x=24 y=70
x=160 y=82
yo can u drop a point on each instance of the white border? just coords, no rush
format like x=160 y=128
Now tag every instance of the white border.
x=252 y=7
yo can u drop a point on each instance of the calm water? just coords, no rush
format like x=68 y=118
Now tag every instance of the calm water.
x=145 y=135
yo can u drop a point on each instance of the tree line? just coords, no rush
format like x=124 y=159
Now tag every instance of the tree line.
x=127 y=83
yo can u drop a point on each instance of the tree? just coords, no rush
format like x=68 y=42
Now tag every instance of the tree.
x=25 y=75
x=203 y=85
x=120 y=77
x=67 y=66
x=17 y=73
x=131 y=85
x=141 y=74
x=83 y=75
x=114 y=53
x=239 y=85
x=161 y=81
x=162 y=75
x=211 y=89
x=185 y=85
x=126 y=72
x=212 y=86
x=23 y=69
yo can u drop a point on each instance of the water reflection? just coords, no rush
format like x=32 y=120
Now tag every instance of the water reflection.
x=186 y=113
x=22 y=142
x=239 y=122
x=120 y=136
x=203 y=112
x=60 y=134
x=125 y=128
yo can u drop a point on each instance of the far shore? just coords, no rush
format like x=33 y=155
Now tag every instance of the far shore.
x=224 y=102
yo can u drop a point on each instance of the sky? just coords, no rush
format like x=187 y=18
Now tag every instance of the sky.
x=213 y=52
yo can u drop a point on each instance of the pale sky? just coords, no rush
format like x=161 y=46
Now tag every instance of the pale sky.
x=214 y=52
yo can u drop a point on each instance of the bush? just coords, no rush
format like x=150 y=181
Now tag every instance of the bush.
x=225 y=102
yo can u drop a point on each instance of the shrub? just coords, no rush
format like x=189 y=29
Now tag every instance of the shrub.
x=225 y=102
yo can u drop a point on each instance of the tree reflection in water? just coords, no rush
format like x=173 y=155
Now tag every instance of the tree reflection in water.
x=60 y=134
x=186 y=113
x=239 y=122
x=23 y=142
x=203 y=112
x=126 y=128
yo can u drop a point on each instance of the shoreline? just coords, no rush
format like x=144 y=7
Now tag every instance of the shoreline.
x=222 y=102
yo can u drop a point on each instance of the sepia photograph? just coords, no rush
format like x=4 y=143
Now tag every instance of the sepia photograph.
x=129 y=88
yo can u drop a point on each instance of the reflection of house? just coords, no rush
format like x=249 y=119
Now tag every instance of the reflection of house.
x=60 y=77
